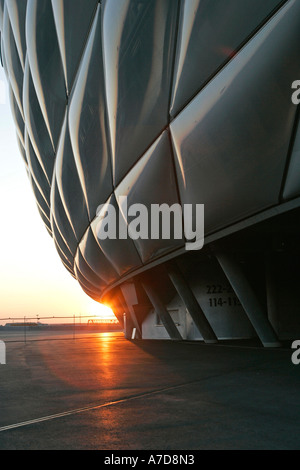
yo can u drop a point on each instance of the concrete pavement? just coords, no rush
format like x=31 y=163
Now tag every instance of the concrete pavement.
x=104 y=392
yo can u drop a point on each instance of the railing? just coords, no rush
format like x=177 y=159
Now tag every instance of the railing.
x=57 y=327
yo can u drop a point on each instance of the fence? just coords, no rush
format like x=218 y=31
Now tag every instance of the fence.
x=33 y=328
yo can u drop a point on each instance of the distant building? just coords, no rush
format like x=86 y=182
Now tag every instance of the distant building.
x=166 y=102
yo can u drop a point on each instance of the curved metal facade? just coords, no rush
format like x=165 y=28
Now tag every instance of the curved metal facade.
x=158 y=100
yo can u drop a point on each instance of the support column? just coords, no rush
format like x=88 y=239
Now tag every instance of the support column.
x=128 y=325
x=187 y=296
x=124 y=312
x=271 y=292
x=162 y=311
x=130 y=296
x=248 y=299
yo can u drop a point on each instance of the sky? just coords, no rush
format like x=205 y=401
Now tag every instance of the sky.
x=33 y=280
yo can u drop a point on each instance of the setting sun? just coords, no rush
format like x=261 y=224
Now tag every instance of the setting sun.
x=100 y=310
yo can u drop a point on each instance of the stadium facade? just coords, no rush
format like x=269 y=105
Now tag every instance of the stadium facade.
x=176 y=102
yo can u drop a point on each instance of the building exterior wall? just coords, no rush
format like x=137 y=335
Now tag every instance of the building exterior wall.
x=175 y=102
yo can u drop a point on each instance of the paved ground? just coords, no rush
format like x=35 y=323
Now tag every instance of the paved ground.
x=104 y=392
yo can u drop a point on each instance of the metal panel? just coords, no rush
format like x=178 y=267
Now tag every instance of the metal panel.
x=151 y=182
x=59 y=215
x=210 y=33
x=62 y=249
x=94 y=280
x=22 y=151
x=36 y=127
x=69 y=20
x=88 y=124
x=138 y=41
x=36 y=171
x=45 y=220
x=69 y=185
x=1 y=13
x=13 y=64
x=46 y=65
x=17 y=116
x=42 y=203
x=85 y=283
x=17 y=16
x=121 y=252
x=95 y=258
x=232 y=140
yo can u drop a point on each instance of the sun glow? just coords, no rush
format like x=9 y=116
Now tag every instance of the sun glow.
x=101 y=311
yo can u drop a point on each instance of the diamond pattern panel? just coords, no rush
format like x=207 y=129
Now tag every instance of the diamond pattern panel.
x=160 y=101
x=88 y=123
x=247 y=102
x=210 y=34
